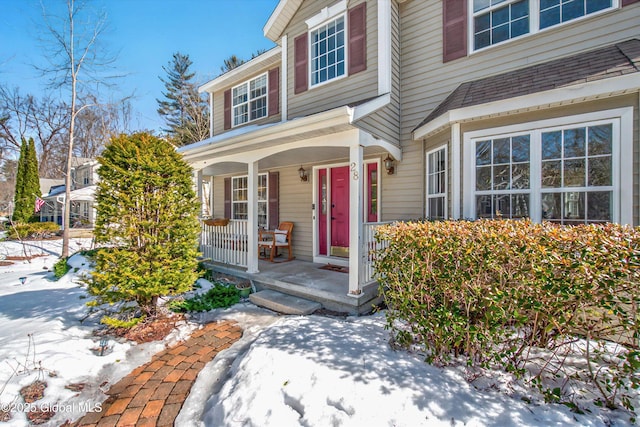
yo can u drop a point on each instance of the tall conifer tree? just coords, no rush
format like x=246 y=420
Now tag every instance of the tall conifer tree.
x=27 y=183
x=184 y=111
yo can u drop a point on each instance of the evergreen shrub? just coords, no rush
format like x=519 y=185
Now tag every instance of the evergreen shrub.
x=34 y=230
x=147 y=216
x=491 y=290
x=60 y=268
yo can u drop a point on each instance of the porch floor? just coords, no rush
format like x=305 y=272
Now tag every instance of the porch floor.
x=306 y=280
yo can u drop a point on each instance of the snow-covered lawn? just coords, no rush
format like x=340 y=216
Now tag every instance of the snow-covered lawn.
x=285 y=371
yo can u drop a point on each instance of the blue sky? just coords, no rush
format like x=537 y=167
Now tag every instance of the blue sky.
x=144 y=34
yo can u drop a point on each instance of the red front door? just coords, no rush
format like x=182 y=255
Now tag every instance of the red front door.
x=339 y=211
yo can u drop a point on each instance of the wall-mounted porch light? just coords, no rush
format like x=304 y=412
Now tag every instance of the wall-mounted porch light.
x=389 y=165
x=303 y=174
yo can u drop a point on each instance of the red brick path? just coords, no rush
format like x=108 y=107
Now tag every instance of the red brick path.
x=153 y=394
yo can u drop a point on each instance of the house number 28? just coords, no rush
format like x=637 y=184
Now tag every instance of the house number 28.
x=354 y=171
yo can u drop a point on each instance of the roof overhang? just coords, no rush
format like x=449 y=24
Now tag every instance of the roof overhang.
x=280 y=18
x=258 y=141
x=244 y=71
x=573 y=94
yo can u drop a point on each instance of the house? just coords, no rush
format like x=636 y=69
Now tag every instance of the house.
x=84 y=177
x=368 y=112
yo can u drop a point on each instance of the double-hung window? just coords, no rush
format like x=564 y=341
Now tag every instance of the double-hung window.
x=437 y=183
x=240 y=198
x=495 y=21
x=328 y=51
x=249 y=100
x=568 y=173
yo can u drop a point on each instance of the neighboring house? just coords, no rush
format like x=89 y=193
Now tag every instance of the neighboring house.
x=373 y=111
x=84 y=177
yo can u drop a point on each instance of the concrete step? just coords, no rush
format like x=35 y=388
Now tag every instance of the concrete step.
x=283 y=303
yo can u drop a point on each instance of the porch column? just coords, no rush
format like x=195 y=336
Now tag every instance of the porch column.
x=356 y=191
x=197 y=176
x=455 y=170
x=252 y=214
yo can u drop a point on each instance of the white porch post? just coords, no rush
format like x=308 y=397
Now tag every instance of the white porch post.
x=455 y=170
x=356 y=151
x=197 y=176
x=252 y=223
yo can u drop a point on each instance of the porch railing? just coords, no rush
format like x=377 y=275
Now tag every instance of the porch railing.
x=370 y=248
x=226 y=244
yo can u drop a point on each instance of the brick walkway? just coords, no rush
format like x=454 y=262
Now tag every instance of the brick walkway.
x=153 y=394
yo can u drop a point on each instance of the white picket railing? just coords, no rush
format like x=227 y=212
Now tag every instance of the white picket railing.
x=226 y=244
x=370 y=248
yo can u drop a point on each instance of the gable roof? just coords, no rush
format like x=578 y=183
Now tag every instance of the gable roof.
x=244 y=71
x=599 y=64
x=280 y=18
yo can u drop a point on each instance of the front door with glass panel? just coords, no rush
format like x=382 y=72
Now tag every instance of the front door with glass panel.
x=333 y=213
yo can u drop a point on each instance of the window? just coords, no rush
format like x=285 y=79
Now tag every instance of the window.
x=502 y=177
x=553 y=12
x=327 y=51
x=565 y=174
x=85 y=177
x=249 y=100
x=372 y=192
x=495 y=21
x=577 y=174
x=437 y=184
x=239 y=199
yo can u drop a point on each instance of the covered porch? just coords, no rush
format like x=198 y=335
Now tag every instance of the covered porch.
x=306 y=280
x=322 y=173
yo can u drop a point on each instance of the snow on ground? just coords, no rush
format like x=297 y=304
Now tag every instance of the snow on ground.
x=42 y=336
x=284 y=371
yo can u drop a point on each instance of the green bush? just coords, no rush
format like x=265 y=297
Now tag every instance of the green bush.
x=33 y=230
x=220 y=296
x=60 y=268
x=492 y=290
x=147 y=212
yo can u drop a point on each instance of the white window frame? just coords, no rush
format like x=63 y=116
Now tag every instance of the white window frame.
x=335 y=17
x=534 y=21
x=622 y=159
x=247 y=83
x=235 y=202
x=428 y=172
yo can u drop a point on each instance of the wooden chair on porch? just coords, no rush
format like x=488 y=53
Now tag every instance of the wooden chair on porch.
x=274 y=239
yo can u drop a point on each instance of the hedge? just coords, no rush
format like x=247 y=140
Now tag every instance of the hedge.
x=33 y=230
x=490 y=291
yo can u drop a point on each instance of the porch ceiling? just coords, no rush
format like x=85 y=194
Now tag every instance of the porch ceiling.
x=302 y=156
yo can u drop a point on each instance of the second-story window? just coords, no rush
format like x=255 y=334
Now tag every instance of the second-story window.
x=327 y=51
x=250 y=100
x=554 y=12
x=496 y=21
x=85 y=178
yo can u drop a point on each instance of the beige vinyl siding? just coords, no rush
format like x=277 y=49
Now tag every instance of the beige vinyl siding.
x=218 y=106
x=346 y=90
x=295 y=205
x=295 y=200
x=385 y=124
x=402 y=193
x=426 y=81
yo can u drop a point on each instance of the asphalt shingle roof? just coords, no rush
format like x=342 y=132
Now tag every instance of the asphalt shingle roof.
x=603 y=63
